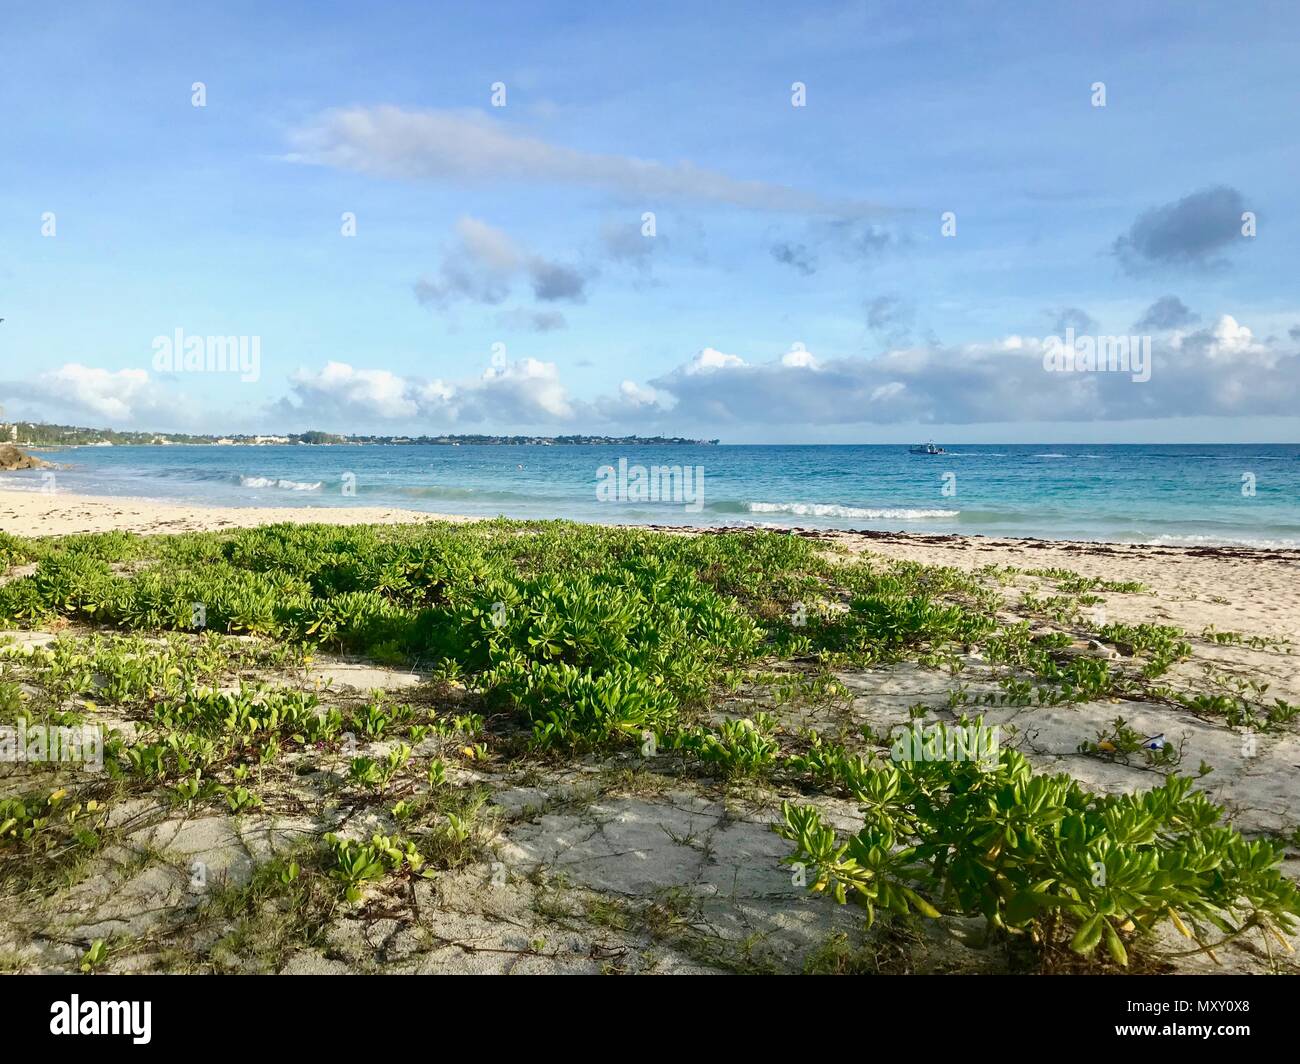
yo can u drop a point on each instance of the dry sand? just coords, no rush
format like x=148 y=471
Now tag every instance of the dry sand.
x=32 y=513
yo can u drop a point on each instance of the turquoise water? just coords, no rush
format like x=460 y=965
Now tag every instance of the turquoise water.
x=1166 y=494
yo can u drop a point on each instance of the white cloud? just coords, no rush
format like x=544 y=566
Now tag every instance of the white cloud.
x=433 y=145
x=1221 y=371
x=527 y=385
x=526 y=392
x=799 y=357
x=118 y=396
x=641 y=395
x=709 y=360
x=1229 y=339
x=374 y=393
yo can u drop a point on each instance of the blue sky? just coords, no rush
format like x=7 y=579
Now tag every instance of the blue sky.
x=797 y=288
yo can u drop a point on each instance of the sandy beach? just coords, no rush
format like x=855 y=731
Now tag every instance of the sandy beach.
x=31 y=513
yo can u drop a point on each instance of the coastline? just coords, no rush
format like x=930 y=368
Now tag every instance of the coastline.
x=1247 y=589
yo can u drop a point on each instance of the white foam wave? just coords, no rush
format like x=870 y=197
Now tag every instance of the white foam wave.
x=816 y=509
x=1221 y=541
x=274 y=482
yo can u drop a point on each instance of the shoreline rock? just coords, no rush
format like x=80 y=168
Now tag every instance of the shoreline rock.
x=12 y=458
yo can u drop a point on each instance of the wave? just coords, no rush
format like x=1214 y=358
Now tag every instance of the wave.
x=816 y=509
x=274 y=482
x=1221 y=541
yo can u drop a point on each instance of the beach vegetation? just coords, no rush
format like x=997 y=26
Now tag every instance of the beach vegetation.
x=1038 y=856
x=541 y=641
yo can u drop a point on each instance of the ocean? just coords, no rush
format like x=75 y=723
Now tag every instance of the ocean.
x=1175 y=494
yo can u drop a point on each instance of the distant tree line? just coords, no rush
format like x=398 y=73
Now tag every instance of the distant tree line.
x=40 y=434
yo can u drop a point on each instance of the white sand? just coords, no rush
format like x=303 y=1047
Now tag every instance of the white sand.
x=32 y=513
x=1235 y=589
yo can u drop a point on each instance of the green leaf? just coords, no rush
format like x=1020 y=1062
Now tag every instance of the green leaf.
x=1089 y=934
x=1115 y=946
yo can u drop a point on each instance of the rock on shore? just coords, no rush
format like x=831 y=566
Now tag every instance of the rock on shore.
x=12 y=458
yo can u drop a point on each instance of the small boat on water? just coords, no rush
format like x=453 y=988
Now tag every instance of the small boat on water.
x=929 y=448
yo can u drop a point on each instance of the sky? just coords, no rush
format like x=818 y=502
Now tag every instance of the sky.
x=765 y=223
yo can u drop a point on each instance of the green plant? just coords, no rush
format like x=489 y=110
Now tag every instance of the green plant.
x=240 y=799
x=739 y=747
x=94 y=957
x=1041 y=857
x=1163 y=644
x=365 y=772
x=354 y=864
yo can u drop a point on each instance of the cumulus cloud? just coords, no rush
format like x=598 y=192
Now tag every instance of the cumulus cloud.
x=641 y=395
x=709 y=360
x=799 y=357
x=1189 y=233
x=1167 y=312
x=371 y=393
x=466 y=146
x=1223 y=370
x=119 y=397
x=1228 y=339
x=482 y=264
x=525 y=392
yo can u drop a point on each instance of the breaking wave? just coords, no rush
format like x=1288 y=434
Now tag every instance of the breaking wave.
x=817 y=509
x=274 y=482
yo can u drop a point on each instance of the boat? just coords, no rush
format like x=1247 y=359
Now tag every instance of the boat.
x=929 y=448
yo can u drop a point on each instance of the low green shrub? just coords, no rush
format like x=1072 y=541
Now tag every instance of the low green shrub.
x=1038 y=855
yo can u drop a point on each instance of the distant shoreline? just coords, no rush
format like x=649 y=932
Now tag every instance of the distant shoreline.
x=50 y=436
